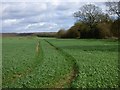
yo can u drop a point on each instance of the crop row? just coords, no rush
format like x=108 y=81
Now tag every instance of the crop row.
x=23 y=67
x=97 y=61
x=18 y=59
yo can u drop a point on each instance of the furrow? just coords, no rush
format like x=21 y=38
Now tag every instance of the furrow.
x=38 y=57
x=71 y=59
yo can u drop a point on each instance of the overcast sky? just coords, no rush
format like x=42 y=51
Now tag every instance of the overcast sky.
x=39 y=16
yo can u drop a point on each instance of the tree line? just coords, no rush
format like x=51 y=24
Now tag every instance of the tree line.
x=92 y=22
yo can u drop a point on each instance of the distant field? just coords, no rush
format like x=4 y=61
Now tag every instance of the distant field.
x=30 y=62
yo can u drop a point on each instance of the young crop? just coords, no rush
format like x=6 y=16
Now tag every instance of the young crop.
x=97 y=61
x=59 y=63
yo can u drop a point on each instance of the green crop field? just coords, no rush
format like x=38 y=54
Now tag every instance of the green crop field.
x=31 y=62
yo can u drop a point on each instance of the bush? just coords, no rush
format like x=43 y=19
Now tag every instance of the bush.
x=99 y=30
x=73 y=32
x=82 y=30
x=115 y=28
x=45 y=34
x=104 y=30
x=61 y=33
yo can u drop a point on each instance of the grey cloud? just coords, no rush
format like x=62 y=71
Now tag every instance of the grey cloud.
x=55 y=16
x=20 y=10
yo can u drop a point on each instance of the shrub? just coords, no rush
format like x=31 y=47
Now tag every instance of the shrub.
x=45 y=34
x=104 y=30
x=115 y=28
x=61 y=33
x=99 y=30
x=84 y=30
x=73 y=32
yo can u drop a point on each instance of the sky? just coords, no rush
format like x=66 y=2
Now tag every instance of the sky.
x=39 y=16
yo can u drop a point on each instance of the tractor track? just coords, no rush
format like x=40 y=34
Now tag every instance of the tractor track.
x=67 y=56
x=69 y=78
x=38 y=57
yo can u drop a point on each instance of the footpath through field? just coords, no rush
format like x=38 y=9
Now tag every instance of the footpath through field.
x=74 y=72
x=36 y=64
x=19 y=60
x=97 y=61
x=59 y=63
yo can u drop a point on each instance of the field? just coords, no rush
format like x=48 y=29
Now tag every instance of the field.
x=31 y=62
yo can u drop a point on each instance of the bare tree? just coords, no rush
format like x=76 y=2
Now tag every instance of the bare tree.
x=113 y=7
x=89 y=14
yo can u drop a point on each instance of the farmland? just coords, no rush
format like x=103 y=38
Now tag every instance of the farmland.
x=31 y=62
x=97 y=61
